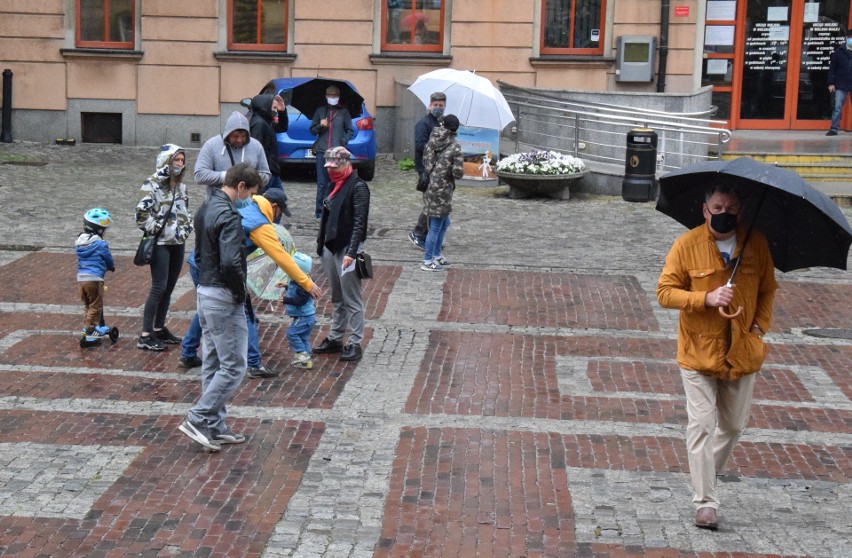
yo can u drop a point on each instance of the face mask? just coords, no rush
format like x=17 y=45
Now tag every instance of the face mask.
x=332 y=101
x=176 y=170
x=242 y=203
x=437 y=112
x=848 y=43
x=336 y=174
x=723 y=223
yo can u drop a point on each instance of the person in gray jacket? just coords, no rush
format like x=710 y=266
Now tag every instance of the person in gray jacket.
x=235 y=145
x=332 y=124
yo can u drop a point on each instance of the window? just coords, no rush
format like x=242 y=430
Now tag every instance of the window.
x=413 y=25
x=105 y=23
x=258 y=25
x=572 y=26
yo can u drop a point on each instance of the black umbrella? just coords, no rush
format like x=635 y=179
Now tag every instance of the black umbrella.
x=309 y=96
x=803 y=226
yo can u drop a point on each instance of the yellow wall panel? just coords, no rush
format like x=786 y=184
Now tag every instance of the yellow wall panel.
x=37 y=86
x=92 y=79
x=174 y=28
x=175 y=90
x=32 y=26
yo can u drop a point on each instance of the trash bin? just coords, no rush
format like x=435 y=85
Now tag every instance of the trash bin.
x=640 y=166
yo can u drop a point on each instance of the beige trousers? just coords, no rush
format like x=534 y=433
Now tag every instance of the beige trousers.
x=718 y=412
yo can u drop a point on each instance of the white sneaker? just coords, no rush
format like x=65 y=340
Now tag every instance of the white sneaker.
x=303 y=360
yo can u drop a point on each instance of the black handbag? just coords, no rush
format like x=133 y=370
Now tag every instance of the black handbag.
x=145 y=250
x=364 y=265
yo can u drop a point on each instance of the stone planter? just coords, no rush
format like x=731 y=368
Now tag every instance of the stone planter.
x=552 y=185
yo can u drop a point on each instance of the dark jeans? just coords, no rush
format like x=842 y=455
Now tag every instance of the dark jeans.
x=322 y=184
x=421 y=229
x=166 y=266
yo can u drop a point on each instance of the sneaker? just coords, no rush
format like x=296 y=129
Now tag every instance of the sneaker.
x=199 y=434
x=92 y=336
x=432 y=266
x=418 y=241
x=831 y=133
x=150 y=343
x=303 y=360
x=442 y=261
x=228 y=437
x=189 y=361
x=261 y=372
x=103 y=329
x=166 y=336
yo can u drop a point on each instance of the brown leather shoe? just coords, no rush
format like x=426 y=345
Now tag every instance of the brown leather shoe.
x=706 y=518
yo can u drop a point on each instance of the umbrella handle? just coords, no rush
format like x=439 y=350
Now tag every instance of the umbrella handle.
x=731 y=316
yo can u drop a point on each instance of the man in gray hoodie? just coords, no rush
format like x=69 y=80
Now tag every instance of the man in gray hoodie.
x=235 y=145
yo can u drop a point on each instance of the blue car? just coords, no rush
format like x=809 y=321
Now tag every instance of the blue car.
x=294 y=146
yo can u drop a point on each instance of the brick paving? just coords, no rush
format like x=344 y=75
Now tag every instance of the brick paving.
x=526 y=403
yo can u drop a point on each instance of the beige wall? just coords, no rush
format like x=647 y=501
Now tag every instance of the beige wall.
x=179 y=71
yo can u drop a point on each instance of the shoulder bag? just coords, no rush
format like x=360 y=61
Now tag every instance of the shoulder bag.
x=364 y=265
x=145 y=250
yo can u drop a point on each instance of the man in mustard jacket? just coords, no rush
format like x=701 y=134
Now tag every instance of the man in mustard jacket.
x=717 y=356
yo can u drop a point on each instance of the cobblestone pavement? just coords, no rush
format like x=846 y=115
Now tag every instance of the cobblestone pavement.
x=525 y=403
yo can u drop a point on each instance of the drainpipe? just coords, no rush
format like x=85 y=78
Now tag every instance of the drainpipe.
x=6 y=130
x=664 y=45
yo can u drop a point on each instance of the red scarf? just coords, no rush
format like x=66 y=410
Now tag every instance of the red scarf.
x=338 y=177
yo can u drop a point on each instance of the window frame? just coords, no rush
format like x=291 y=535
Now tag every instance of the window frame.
x=257 y=47
x=546 y=50
x=412 y=47
x=80 y=43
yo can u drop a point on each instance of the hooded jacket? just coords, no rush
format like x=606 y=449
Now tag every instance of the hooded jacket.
x=707 y=342
x=214 y=160
x=155 y=210
x=260 y=233
x=443 y=161
x=93 y=257
x=264 y=130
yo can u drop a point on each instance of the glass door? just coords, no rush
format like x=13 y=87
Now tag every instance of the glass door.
x=823 y=28
x=784 y=48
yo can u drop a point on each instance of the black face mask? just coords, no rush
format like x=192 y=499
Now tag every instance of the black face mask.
x=723 y=223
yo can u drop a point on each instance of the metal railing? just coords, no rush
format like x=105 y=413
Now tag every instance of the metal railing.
x=597 y=131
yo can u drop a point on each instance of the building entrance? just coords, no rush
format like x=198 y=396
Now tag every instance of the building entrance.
x=784 y=52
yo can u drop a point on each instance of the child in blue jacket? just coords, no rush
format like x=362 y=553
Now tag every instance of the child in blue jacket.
x=93 y=261
x=300 y=306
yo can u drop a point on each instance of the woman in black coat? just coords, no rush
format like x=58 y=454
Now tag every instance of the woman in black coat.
x=343 y=230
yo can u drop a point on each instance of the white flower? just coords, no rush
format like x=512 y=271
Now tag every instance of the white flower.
x=540 y=162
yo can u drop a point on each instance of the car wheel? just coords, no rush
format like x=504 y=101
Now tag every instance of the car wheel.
x=367 y=171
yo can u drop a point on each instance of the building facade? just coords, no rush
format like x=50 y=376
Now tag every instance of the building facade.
x=143 y=72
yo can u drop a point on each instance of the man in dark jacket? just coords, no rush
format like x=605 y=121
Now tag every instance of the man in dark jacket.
x=422 y=131
x=343 y=230
x=332 y=124
x=268 y=118
x=840 y=80
x=221 y=259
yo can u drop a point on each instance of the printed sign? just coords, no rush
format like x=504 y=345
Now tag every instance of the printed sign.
x=478 y=144
x=681 y=11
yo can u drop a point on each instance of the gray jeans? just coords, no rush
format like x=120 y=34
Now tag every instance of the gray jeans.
x=224 y=343
x=346 y=299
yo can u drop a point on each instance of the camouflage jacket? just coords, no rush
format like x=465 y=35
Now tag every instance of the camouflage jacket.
x=154 y=205
x=444 y=162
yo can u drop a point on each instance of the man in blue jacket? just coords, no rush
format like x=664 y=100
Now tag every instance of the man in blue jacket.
x=840 y=80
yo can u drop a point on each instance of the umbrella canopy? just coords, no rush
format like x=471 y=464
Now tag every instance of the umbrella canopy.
x=309 y=95
x=263 y=274
x=803 y=226
x=472 y=98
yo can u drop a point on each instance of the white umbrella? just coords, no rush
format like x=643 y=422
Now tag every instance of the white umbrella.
x=472 y=98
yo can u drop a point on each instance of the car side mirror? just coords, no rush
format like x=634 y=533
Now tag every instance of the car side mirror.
x=246 y=102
